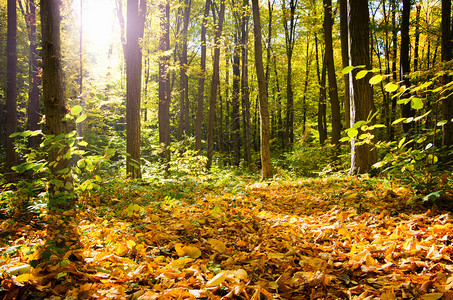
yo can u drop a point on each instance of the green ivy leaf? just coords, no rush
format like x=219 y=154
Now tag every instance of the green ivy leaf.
x=376 y=79
x=347 y=70
x=81 y=118
x=390 y=87
x=361 y=74
x=416 y=103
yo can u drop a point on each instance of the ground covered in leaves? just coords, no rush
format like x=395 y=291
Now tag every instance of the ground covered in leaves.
x=313 y=239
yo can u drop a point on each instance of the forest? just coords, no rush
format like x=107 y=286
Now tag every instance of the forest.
x=214 y=149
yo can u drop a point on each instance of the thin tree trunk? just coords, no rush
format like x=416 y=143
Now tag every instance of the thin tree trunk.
x=11 y=89
x=344 y=57
x=235 y=102
x=164 y=80
x=406 y=110
x=202 y=78
x=447 y=103
x=245 y=87
x=333 y=90
x=184 y=79
x=266 y=171
x=214 y=83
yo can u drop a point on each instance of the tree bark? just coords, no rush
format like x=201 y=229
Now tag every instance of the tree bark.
x=11 y=89
x=164 y=80
x=406 y=110
x=361 y=92
x=345 y=57
x=266 y=171
x=447 y=103
x=33 y=116
x=61 y=192
x=135 y=26
x=214 y=83
x=201 y=80
x=184 y=79
x=245 y=87
x=236 y=134
x=333 y=90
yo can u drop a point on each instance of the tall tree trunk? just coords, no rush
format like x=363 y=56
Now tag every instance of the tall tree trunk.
x=214 y=83
x=345 y=57
x=33 y=116
x=322 y=123
x=333 y=90
x=394 y=58
x=245 y=87
x=447 y=103
x=164 y=79
x=307 y=77
x=361 y=92
x=406 y=110
x=61 y=192
x=184 y=79
x=290 y=23
x=11 y=89
x=235 y=102
x=266 y=171
x=417 y=36
x=135 y=27
x=202 y=78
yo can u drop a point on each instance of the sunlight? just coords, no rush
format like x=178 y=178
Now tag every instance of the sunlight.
x=98 y=22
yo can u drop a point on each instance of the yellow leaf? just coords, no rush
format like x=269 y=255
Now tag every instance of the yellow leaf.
x=130 y=244
x=192 y=251
x=24 y=277
x=179 y=249
x=217 y=245
x=432 y=296
x=121 y=250
x=216 y=280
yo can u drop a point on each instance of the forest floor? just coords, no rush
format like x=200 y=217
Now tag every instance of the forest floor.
x=310 y=239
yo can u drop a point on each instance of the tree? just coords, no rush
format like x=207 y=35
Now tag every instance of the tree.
x=184 y=79
x=135 y=28
x=333 y=91
x=33 y=115
x=289 y=23
x=202 y=78
x=245 y=86
x=345 y=56
x=164 y=79
x=406 y=110
x=447 y=103
x=214 y=83
x=11 y=89
x=266 y=171
x=361 y=93
x=61 y=188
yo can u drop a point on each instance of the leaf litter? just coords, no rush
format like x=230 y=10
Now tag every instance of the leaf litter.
x=311 y=239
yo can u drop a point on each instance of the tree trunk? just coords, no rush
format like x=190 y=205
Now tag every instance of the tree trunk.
x=33 y=115
x=245 y=87
x=333 y=90
x=361 y=92
x=164 y=80
x=214 y=83
x=235 y=102
x=406 y=110
x=184 y=79
x=345 y=57
x=322 y=123
x=61 y=192
x=11 y=89
x=417 y=37
x=447 y=103
x=266 y=171
x=290 y=37
x=135 y=26
x=202 y=78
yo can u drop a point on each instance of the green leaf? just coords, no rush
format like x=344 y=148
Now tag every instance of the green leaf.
x=376 y=79
x=352 y=132
x=81 y=118
x=390 y=87
x=401 y=142
x=442 y=123
x=416 y=103
x=361 y=74
x=83 y=144
x=76 y=110
x=347 y=70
